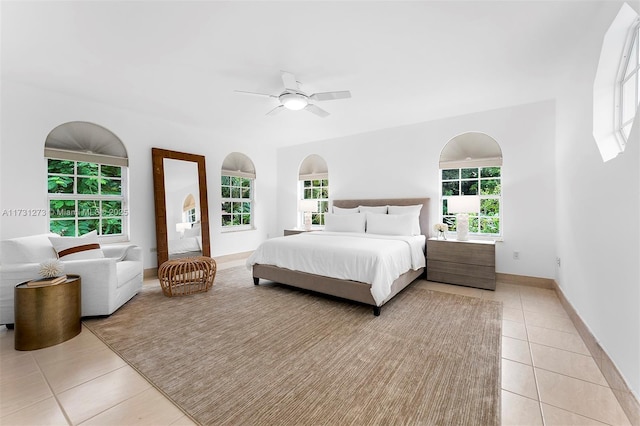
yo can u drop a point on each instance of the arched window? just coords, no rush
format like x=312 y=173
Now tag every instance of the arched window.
x=616 y=86
x=237 y=188
x=313 y=184
x=87 y=172
x=471 y=166
x=189 y=214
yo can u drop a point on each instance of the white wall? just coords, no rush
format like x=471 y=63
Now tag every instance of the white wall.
x=598 y=233
x=29 y=114
x=403 y=162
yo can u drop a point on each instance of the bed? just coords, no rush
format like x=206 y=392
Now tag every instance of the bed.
x=272 y=260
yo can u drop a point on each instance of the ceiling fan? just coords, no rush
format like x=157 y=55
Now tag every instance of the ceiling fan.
x=294 y=99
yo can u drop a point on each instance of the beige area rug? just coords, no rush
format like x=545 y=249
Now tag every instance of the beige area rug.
x=272 y=355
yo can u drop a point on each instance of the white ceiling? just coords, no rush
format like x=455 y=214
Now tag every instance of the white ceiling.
x=404 y=62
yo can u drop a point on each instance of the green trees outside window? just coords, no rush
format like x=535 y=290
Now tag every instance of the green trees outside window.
x=237 y=199
x=317 y=189
x=84 y=197
x=482 y=181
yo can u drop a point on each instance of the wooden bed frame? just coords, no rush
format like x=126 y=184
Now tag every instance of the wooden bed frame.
x=347 y=289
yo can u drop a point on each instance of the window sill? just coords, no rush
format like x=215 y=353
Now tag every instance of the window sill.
x=237 y=229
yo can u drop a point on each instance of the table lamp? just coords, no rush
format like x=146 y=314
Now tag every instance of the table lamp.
x=308 y=207
x=463 y=205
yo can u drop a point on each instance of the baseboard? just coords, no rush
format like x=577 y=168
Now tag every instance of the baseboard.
x=618 y=385
x=150 y=273
x=547 y=283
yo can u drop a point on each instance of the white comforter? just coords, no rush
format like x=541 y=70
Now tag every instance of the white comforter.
x=369 y=258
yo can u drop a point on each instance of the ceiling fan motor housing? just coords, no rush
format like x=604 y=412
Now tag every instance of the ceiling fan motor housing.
x=293 y=101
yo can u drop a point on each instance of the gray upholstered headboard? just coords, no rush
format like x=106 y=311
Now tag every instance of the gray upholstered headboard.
x=424 y=212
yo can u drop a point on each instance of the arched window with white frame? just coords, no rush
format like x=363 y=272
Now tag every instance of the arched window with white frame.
x=313 y=189
x=87 y=181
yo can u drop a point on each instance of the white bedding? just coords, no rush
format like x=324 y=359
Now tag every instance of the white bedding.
x=184 y=245
x=369 y=258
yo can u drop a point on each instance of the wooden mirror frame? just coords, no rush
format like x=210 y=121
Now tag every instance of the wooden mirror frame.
x=158 y=155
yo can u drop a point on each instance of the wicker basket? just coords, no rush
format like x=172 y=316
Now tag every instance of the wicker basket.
x=180 y=277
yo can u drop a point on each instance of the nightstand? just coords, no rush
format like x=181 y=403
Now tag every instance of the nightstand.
x=469 y=263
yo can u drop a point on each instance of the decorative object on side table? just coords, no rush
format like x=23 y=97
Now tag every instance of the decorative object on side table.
x=51 y=273
x=308 y=207
x=463 y=205
x=441 y=228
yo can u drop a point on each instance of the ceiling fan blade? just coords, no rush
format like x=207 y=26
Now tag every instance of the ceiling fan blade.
x=255 y=94
x=328 y=96
x=316 y=110
x=289 y=81
x=276 y=110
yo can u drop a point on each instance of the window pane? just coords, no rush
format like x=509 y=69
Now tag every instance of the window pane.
x=307 y=194
x=226 y=192
x=469 y=187
x=324 y=193
x=60 y=166
x=469 y=173
x=490 y=207
x=325 y=182
x=489 y=225
x=111 y=171
x=65 y=228
x=490 y=186
x=111 y=187
x=633 y=58
x=111 y=226
x=87 y=169
x=88 y=185
x=246 y=207
x=307 y=183
x=628 y=100
x=473 y=223
x=246 y=183
x=450 y=174
x=236 y=220
x=246 y=193
x=246 y=219
x=235 y=192
x=226 y=219
x=226 y=180
x=87 y=225
x=236 y=207
x=112 y=208
x=60 y=184
x=62 y=208
x=236 y=181
x=450 y=188
x=490 y=172
x=226 y=207
x=88 y=208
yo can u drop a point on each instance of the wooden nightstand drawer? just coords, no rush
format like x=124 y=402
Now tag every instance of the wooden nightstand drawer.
x=469 y=263
x=462 y=252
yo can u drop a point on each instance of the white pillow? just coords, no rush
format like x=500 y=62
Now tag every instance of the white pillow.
x=76 y=248
x=344 y=222
x=390 y=224
x=415 y=210
x=342 y=210
x=373 y=209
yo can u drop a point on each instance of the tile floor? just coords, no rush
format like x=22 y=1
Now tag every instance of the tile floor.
x=548 y=376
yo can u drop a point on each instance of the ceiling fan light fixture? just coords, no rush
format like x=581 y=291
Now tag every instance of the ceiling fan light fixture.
x=294 y=101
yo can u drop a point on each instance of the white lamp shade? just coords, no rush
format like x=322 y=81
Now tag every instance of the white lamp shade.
x=308 y=206
x=463 y=204
x=180 y=227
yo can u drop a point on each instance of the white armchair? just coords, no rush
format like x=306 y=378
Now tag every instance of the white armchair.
x=107 y=283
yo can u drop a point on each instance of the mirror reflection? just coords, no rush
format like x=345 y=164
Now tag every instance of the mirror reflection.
x=182 y=195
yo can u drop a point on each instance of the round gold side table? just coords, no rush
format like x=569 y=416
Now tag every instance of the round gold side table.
x=47 y=315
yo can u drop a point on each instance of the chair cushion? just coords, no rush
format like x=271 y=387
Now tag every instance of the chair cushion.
x=77 y=248
x=31 y=249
